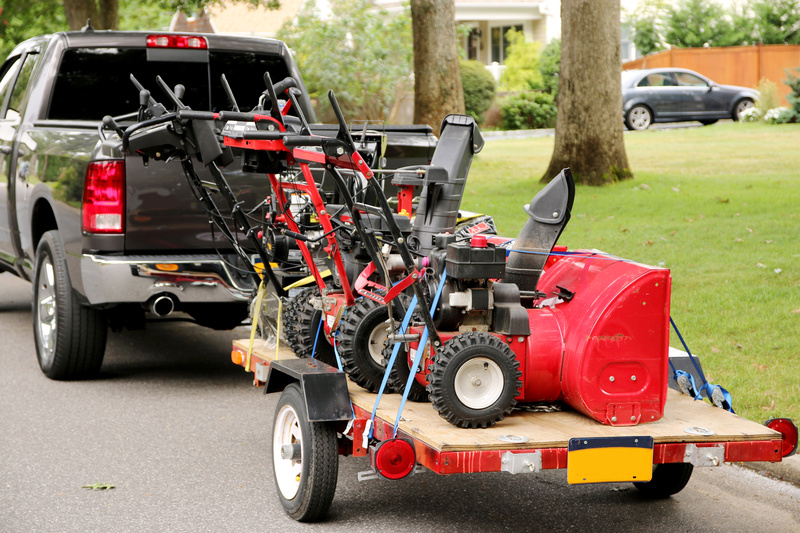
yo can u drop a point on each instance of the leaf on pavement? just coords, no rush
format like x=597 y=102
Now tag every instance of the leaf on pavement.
x=99 y=486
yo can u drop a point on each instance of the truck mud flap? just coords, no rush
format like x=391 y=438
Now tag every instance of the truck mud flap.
x=324 y=387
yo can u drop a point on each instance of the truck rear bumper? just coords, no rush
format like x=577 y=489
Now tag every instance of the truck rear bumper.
x=188 y=278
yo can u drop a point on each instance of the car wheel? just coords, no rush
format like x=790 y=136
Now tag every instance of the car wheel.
x=639 y=118
x=742 y=106
x=70 y=338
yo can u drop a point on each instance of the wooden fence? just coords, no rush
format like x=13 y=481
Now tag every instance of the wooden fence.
x=731 y=65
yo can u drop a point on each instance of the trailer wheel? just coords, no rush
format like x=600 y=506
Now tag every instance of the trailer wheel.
x=363 y=333
x=301 y=323
x=305 y=458
x=474 y=380
x=70 y=338
x=398 y=376
x=668 y=479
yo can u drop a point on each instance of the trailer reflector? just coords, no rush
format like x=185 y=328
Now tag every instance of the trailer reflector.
x=788 y=430
x=394 y=458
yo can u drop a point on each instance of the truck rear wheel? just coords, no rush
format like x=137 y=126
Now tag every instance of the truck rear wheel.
x=668 y=479
x=70 y=338
x=305 y=458
x=474 y=380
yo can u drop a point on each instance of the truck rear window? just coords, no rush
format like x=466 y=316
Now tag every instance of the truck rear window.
x=94 y=82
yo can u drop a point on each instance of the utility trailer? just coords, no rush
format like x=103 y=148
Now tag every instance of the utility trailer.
x=315 y=423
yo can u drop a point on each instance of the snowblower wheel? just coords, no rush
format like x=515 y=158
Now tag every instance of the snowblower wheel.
x=305 y=458
x=398 y=375
x=363 y=333
x=301 y=323
x=474 y=380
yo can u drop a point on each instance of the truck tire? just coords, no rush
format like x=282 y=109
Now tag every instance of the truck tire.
x=301 y=324
x=70 y=338
x=305 y=460
x=474 y=380
x=362 y=337
x=668 y=479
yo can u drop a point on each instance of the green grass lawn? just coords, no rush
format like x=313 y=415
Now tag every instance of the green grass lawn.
x=720 y=207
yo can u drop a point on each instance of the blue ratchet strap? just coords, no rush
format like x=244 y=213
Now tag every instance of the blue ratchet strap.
x=420 y=349
x=716 y=394
x=390 y=364
x=314 y=349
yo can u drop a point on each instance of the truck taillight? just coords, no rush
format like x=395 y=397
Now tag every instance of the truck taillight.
x=104 y=197
x=192 y=42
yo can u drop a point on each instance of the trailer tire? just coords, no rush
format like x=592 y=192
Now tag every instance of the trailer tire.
x=70 y=338
x=668 y=479
x=305 y=484
x=362 y=337
x=301 y=325
x=398 y=376
x=474 y=380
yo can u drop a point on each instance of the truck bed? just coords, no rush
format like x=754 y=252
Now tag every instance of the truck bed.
x=687 y=426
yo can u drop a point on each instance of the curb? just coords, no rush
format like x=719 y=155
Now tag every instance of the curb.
x=787 y=470
x=516 y=134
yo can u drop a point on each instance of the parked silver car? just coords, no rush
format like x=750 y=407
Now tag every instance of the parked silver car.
x=677 y=95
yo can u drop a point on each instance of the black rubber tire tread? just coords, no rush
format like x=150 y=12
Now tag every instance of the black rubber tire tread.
x=301 y=323
x=398 y=376
x=81 y=331
x=668 y=479
x=452 y=355
x=355 y=328
x=320 y=457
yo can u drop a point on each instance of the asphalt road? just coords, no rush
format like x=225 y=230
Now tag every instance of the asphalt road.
x=183 y=436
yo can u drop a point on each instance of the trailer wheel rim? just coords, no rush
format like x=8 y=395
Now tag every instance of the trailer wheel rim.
x=287 y=471
x=377 y=340
x=479 y=383
x=47 y=320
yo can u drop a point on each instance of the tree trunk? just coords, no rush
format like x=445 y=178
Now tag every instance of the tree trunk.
x=589 y=124
x=437 y=74
x=104 y=14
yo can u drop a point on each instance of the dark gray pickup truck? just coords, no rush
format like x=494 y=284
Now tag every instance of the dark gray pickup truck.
x=108 y=240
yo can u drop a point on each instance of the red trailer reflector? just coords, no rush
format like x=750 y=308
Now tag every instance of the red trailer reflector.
x=104 y=197
x=192 y=42
x=394 y=458
x=785 y=427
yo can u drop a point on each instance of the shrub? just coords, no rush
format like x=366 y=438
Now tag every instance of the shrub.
x=479 y=89
x=769 y=95
x=521 y=71
x=794 y=97
x=779 y=115
x=528 y=110
x=549 y=65
x=752 y=114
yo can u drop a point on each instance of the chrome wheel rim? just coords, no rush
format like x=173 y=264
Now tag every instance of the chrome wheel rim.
x=640 y=118
x=287 y=471
x=46 y=315
x=479 y=383
x=743 y=106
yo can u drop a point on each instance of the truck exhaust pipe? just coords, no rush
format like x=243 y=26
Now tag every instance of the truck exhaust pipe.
x=162 y=305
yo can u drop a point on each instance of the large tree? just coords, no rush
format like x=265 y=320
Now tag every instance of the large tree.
x=589 y=125
x=437 y=74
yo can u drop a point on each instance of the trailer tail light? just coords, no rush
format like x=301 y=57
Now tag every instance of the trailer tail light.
x=190 y=42
x=788 y=430
x=394 y=458
x=104 y=197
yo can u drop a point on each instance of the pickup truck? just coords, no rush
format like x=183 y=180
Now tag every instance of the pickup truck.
x=112 y=241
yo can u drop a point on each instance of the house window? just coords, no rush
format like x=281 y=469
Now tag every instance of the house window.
x=500 y=42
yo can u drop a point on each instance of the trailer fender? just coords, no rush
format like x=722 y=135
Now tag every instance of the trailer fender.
x=324 y=387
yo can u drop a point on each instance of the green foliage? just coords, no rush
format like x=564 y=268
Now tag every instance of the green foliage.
x=521 y=63
x=718 y=207
x=776 y=21
x=698 y=23
x=793 y=81
x=20 y=20
x=550 y=65
x=779 y=115
x=362 y=54
x=528 y=110
x=144 y=15
x=647 y=25
x=479 y=88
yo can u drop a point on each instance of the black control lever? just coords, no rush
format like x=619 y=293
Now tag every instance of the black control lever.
x=110 y=123
x=274 y=111
x=226 y=86
x=171 y=95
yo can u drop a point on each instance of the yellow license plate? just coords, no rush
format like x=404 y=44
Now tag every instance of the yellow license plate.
x=609 y=460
